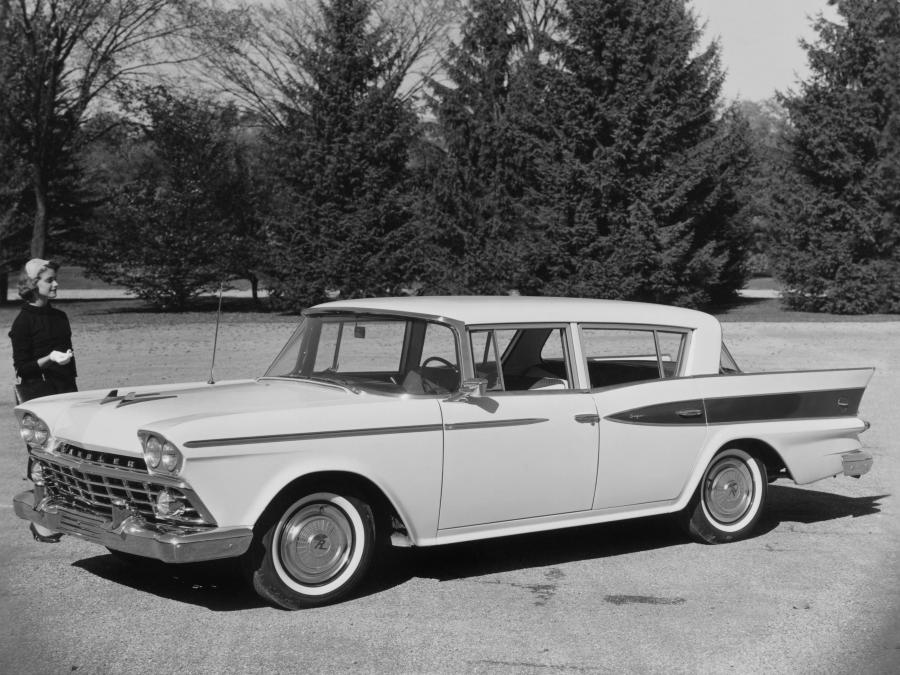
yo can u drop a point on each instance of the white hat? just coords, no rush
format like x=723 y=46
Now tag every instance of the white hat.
x=35 y=266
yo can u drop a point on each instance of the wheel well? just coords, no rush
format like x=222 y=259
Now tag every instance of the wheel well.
x=769 y=456
x=336 y=480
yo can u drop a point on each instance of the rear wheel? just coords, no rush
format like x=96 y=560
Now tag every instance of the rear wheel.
x=314 y=550
x=729 y=499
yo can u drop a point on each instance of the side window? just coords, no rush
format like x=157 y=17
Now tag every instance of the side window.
x=621 y=355
x=727 y=364
x=671 y=351
x=530 y=359
x=438 y=346
x=484 y=356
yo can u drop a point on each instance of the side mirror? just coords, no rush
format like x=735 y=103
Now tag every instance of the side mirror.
x=469 y=389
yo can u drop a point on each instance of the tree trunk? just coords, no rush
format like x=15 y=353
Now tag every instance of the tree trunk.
x=254 y=287
x=39 y=233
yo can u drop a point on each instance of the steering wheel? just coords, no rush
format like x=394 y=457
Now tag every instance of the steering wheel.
x=440 y=360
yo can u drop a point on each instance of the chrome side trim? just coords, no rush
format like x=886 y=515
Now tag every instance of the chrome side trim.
x=493 y=424
x=312 y=436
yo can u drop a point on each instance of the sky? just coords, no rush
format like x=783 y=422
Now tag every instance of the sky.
x=760 y=42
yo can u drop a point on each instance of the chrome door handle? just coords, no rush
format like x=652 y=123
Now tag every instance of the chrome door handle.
x=693 y=412
x=587 y=418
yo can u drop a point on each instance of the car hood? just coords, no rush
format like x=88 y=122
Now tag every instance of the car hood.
x=109 y=420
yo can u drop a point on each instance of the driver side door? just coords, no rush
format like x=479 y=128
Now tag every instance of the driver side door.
x=529 y=448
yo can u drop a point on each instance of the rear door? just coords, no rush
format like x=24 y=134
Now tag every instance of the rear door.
x=652 y=422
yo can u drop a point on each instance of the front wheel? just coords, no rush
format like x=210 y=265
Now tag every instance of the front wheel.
x=729 y=499
x=315 y=550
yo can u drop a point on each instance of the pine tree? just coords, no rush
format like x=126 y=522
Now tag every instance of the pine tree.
x=837 y=242
x=339 y=225
x=178 y=211
x=642 y=185
x=481 y=230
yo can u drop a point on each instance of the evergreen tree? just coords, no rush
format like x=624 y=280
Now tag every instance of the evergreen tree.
x=837 y=241
x=339 y=224
x=176 y=222
x=642 y=184
x=481 y=231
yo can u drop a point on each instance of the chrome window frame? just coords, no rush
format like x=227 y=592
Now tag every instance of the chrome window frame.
x=655 y=329
x=570 y=353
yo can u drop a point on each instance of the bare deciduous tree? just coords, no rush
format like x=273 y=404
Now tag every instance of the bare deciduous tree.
x=60 y=57
x=251 y=52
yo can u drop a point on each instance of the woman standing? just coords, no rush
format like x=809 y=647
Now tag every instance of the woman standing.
x=42 y=346
x=41 y=335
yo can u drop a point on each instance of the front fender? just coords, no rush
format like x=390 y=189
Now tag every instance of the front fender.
x=238 y=483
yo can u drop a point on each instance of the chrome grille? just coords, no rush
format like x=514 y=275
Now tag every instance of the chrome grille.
x=94 y=492
x=102 y=458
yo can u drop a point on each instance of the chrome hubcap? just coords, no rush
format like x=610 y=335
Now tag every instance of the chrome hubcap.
x=315 y=543
x=728 y=491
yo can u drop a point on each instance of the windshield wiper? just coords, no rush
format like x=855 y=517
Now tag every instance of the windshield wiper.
x=334 y=381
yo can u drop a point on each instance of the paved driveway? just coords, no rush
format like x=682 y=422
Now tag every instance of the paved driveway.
x=815 y=592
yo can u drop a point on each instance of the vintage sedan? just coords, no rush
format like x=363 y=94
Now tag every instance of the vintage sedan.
x=431 y=420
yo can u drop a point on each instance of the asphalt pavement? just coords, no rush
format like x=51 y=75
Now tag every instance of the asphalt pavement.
x=816 y=591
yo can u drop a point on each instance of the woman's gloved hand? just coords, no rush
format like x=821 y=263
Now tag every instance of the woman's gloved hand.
x=62 y=358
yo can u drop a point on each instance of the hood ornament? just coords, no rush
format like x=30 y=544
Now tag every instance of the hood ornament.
x=132 y=397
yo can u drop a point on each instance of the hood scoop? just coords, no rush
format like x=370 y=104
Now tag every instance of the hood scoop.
x=132 y=397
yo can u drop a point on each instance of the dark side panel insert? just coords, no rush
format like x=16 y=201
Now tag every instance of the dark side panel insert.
x=798 y=405
x=755 y=408
x=676 y=412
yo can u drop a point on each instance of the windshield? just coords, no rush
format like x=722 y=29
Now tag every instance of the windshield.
x=386 y=354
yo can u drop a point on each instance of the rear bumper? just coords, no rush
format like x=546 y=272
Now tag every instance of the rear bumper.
x=132 y=534
x=856 y=463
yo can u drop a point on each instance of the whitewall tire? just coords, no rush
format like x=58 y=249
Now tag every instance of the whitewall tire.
x=729 y=499
x=314 y=550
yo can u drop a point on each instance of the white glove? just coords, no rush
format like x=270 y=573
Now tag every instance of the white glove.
x=62 y=358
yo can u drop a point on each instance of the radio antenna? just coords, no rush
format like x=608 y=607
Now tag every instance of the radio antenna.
x=215 y=338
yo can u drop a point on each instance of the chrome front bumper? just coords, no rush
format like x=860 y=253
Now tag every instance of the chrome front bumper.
x=132 y=534
x=856 y=463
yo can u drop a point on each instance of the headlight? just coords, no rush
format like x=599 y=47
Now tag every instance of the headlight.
x=169 y=456
x=161 y=455
x=153 y=451
x=34 y=431
x=26 y=428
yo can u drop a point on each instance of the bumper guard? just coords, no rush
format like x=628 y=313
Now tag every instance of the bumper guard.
x=856 y=463
x=130 y=533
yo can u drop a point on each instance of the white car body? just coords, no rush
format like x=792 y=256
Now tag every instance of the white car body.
x=462 y=464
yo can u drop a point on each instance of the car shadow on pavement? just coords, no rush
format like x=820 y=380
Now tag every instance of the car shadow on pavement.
x=216 y=585
x=788 y=503
x=784 y=504
x=219 y=586
x=541 y=549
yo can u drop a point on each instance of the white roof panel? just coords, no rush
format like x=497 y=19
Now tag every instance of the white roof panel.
x=476 y=310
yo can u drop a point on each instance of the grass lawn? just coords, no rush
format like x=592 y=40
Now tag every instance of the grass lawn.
x=244 y=309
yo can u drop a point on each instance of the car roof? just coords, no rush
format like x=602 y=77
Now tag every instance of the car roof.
x=480 y=310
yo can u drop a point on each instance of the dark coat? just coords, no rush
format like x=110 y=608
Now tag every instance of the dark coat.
x=36 y=332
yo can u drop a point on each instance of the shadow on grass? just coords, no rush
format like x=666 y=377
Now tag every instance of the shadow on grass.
x=220 y=587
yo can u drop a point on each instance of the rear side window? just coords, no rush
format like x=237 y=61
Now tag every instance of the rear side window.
x=727 y=364
x=621 y=355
